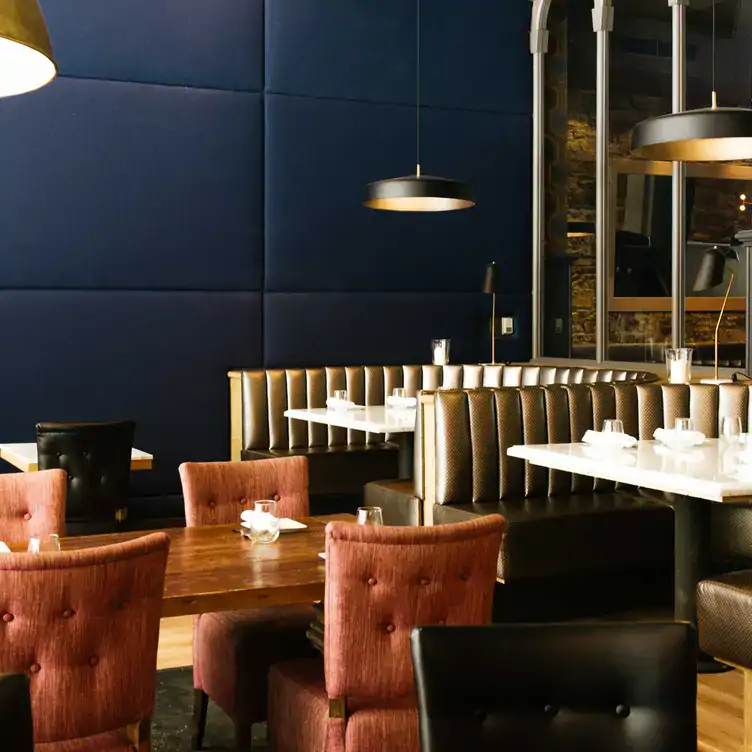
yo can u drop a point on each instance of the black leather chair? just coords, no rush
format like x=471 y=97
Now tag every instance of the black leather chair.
x=600 y=687
x=97 y=458
x=16 y=727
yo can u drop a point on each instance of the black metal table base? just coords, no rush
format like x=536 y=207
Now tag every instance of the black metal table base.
x=406 y=444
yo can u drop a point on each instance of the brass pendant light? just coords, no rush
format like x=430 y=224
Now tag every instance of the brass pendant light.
x=418 y=192
x=714 y=134
x=26 y=61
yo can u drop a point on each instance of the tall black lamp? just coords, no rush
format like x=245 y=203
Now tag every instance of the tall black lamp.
x=492 y=285
x=710 y=274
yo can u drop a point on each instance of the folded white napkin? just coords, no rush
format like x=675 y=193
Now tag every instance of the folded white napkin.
x=4 y=549
x=613 y=440
x=285 y=523
x=678 y=439
x=338 y=404
x=401 y=401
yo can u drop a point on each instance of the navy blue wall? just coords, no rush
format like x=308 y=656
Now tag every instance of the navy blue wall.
x=186 y=198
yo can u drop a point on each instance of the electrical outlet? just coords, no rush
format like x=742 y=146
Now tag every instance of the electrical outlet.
x=559 y=326
x=507 y=326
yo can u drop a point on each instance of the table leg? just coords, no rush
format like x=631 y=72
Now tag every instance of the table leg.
x=691 y=564
x=406 y=444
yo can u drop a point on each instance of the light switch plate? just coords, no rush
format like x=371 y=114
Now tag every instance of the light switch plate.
x=507 y=326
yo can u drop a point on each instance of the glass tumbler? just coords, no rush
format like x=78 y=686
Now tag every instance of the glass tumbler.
x=370 y=516
x=44 y=544
x=731 y=430
x=440 y=351
x=613 y=426
x=265 y=522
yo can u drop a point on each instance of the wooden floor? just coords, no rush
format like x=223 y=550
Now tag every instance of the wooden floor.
x=719 y=704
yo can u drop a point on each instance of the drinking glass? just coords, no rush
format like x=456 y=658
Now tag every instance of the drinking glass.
x=265 y=522
x=398 y=393
x=613 y=426
x=731 y=430
x=340 y=394
x=45 y=543
x=440 y=351
x=370 y=516
x=683 y=424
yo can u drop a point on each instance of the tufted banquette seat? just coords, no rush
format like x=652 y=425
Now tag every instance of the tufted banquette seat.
x=341 y=461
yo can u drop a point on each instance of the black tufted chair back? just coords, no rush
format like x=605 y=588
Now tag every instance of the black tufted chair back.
x=620 y=687
x=15 y=714
x=97 y=459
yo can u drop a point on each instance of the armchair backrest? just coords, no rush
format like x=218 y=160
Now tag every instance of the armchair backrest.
x=32 y=505
x=215 y=493
x=84 y=626
x=383 y=581
x=622 y=687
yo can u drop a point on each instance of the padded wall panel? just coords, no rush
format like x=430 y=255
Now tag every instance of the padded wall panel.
x=200 y=43
x=306 y=329
x=160 y=359
x=117 y=185
x=319 y=236
x=363 y=49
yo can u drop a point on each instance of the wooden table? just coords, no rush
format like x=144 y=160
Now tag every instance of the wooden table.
x=24 y=457
x=399 y=421
x=215 y=569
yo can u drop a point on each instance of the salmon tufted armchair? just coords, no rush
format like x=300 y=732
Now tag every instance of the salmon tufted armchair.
x=233 y=650
x=32 y=505
x=83 y=626
x=381 y=582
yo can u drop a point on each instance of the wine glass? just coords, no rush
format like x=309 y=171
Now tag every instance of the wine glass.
x=731 y=430
x=398 y=393
x=265 y=522
x=44 y=544
x=370 y=516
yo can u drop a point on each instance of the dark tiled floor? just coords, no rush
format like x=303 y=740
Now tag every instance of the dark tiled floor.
x=173 y=713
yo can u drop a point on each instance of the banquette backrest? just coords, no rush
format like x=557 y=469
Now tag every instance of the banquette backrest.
x=260 y=397
x=456 y=470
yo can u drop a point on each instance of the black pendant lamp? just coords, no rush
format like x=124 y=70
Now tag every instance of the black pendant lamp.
x=714 y=134
x=419 y=193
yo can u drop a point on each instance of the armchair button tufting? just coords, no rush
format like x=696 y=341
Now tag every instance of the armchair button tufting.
x=27 y=516
x=371 y=581
x=212 y=504
x=7 y=618
x=550 y=710
x=622 y=711
x=67 y=613
x=123 y=605
x=464 y=577
x=276 y=497
x=35 y=668
x=93 y=660
x=424 y=580
x=390 y=628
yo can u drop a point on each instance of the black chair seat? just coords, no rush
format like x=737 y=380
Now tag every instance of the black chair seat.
x=564 y=535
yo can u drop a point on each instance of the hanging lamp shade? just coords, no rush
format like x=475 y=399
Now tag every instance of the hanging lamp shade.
x=26 y=61
x=419 y=193
x=713 y=134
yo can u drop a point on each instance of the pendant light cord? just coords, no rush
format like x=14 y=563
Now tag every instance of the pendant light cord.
x=417 y=88
x=712 y=69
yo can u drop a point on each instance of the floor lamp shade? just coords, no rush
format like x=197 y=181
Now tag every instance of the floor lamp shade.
x=492 y=280
x=711 y=271
x=419 y=193
x=26 y=60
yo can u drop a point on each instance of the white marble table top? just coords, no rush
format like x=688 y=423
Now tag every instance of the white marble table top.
x=377 y=419
x=710 y=471
x=24 y=457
